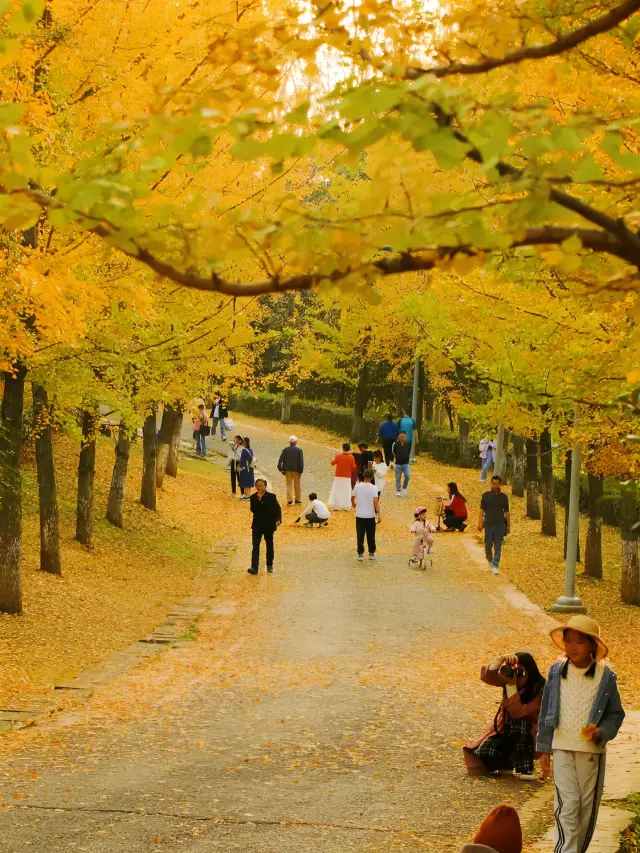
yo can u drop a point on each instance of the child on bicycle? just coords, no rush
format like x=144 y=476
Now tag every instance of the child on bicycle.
x=422 y=538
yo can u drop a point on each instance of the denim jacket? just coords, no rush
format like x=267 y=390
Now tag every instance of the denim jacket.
x=607 y=712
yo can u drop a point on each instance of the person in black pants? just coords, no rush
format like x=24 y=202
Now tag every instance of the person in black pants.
x=367 y=506
x=267 y=517
x=388 y=434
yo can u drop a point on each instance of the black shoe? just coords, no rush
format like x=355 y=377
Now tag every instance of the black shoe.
x=299 y=503
x=252 y=571
x=289 y=503
x=269 y=569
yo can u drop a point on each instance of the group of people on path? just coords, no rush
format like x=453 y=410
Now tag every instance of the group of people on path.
x=205 y=425
x=569 y=718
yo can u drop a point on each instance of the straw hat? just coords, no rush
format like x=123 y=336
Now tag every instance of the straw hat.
x=584 y=625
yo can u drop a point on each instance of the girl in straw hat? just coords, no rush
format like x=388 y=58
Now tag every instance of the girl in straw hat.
x=581 y=711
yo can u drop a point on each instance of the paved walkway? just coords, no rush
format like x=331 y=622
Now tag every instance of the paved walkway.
x=321 y=709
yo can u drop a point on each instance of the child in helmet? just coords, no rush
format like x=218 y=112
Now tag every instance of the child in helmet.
x=421 y=530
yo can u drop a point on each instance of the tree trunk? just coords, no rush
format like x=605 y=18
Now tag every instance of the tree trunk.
x=465 y=450
x=47 y=495
x=630 y=587
x=86 y=475
x=362 y=395
x=119 y=477
x=531 y=479
x=421 y=396
x=149 y=451
x=507 y=462
x=164 y=443
x=567 y=485
x=429 y=400
x=171 y=467
x=449 y=411
x=517 y=480
x=546 y=473
x=285 y=411
x=593 y=548
x=342 y=396
x=11 y=491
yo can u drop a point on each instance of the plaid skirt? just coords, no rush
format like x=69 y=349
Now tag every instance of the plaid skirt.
x=510 y=749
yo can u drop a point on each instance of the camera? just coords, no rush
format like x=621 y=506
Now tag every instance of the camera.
x=510 y=671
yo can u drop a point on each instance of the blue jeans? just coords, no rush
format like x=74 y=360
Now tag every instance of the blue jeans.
x=486 y=464
x=400 y=470
x=201 y=444
x=493 y=538
x=222 y=432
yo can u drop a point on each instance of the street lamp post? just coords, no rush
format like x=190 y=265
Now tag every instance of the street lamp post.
x=414 y=406
x=570 y=602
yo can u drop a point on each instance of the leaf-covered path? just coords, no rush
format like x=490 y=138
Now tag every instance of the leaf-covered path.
x=320 y=709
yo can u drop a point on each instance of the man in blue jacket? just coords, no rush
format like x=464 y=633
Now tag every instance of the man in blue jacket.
x=388 y=433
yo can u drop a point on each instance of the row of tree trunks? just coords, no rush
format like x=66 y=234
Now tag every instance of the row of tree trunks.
x=47 y=494
x=11 y=491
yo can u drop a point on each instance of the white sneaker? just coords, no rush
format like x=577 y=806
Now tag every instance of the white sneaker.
x=398 y=494
x=361 y=557
x=526 y=777
x=495 y=570
x=372 y=556
x=405 y=493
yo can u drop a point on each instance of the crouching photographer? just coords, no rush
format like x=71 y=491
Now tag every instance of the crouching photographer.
x=509 y=745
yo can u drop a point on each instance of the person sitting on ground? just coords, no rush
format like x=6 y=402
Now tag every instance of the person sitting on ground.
x=421 y=530
x=316 y=512
x=499 y=832
x=455 y=512
x=509 y=745
x=380 y=469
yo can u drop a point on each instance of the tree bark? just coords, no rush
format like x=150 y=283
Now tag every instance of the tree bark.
x=465 y=450
x=593 y=548
x=630 y=586
x=421 y=397
x=531 y=479
x=285 y=411
x=86 y=475
x=47 y=494
x=119 y=477
x=149 y=452
x=517 y=480
x=449 y=411
x=171 y=468
x=507 y=461
x=362 y=395
x=11 y=491
x=342 y=396
x=429 y=400
x=548 y=497
x=164 y=444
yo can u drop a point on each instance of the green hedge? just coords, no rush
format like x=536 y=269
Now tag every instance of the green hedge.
x=332 y=418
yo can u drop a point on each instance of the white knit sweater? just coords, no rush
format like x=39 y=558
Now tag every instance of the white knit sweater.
x=577 y=695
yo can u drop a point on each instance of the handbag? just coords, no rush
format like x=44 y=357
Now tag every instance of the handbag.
x=205 y=429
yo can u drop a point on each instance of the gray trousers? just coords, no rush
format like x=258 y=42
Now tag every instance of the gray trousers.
x=579 y=780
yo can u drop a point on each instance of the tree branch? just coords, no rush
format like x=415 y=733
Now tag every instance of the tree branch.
x=602 y=24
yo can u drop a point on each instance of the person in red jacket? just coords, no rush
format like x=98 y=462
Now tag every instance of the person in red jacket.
x=455 y=512
x=509 y=744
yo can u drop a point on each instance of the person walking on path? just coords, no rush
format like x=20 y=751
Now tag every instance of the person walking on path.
x=233 y=460
x=367 y=506
x=388 y=432
x=380 y=470
x=201 y=430
x=315 y=512
x=219 y=412
x=495 y=520
x=407 y=425
x=487 y=448
x=267 y=517
x=401 y=454
x=581 y=712
x=345 y=465
x=246 y=476
x=364 y=458
x=291 y=464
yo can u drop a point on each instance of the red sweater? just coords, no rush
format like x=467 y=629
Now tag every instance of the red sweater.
x=459 y=506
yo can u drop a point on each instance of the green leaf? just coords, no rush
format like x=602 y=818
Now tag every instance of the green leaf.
x=588 y=170
x=571 y=245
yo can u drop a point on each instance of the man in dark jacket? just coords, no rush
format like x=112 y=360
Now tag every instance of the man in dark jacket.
x=291 y=464
x=388 y=433
x=267 y=517
x=401 y=452
x=219 y=412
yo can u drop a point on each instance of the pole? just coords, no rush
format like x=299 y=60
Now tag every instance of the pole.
x=498 y=462
x=570 y=602
x=414 y=406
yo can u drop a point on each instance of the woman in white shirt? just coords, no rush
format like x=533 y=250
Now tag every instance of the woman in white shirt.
x=315 y=512
x=380 y=469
